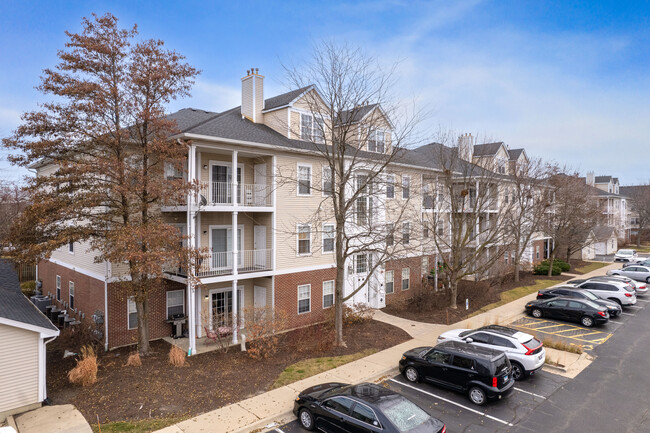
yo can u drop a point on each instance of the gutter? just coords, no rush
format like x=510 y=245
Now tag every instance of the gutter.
x=106 y=306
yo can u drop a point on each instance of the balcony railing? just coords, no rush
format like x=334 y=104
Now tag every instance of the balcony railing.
x=221 y=263
x=220 y=194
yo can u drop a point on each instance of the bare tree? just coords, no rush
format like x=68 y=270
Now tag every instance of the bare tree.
x=356 y=128
x=640 y=207
x=464 y=212
x=13 y=200
x=574 y=213
x=530 y=198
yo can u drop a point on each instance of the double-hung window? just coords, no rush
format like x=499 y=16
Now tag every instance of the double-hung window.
x=390 y=186
x=132 y=313
x=306 y=126
x=390 y=234
x=304 y=239
x=71 y=247
x=328 y=181
x=406 y=278
x=364 y=202
x=390 y=288
x=441 y=226
x=376 y=141
x=505 y=257
x=319 y=130
x=425 y=229
x=304 y=298
x=304 y=179
x=328 y=293
x=71 y=294
x=329 y=234
x=427 y=197
x=175 y=303
x=58 y=287
x=172 y=171
x=406 y=186
x=406 y=233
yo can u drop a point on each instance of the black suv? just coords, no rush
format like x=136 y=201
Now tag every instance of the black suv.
x=480 y=372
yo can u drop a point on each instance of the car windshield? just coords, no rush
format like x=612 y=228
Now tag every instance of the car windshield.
x=592 y=304
x=625 y=252
x=590 y=295
x=465 y=333
x=404 y=414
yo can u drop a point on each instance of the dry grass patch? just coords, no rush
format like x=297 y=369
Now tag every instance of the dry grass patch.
x=313 y=366
x=516 y=293
x=589 y=267
x=85 y=372
x=561 y=345
x=134 y=360
x=176 y=356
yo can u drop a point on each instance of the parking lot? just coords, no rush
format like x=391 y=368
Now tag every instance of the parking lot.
x=460 y=415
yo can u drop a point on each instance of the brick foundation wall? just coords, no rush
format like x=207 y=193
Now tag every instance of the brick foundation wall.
x=415 y=276
x=286 y=296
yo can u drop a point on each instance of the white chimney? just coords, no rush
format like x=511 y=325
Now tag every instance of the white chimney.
x=591 y=180
x=252 y=95
x=466 y=147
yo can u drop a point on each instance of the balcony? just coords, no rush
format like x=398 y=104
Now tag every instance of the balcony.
x=248 y=195
x=221 y=263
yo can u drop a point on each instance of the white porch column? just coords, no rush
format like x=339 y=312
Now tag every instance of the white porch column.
x=235 y=251
x=191 y=230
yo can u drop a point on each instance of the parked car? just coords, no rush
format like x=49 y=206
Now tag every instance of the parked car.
x=640 y=287
x=625 y=255
x=525 y=353
x=366 y=407
x=617 y=291
x=636 y=272
x=583 y=311
x=613 y=308
x=643 y=261
x=480 y=372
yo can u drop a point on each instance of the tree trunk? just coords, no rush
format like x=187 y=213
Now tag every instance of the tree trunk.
x=143 y=326
x=550 y=263
x=517 y=270
x=568 y=254
x=453 y=293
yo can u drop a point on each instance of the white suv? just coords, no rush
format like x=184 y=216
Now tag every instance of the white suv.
x=620 y=292
x=525 y=352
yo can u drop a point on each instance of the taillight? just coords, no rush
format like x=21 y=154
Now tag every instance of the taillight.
x=601 y=313
x=629 y=295
x=494 y=382
x=444 y=429
x=530 y=351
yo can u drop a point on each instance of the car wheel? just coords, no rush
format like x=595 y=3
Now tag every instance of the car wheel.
x=587 y=321
x=306 y=419
x=647 y=280
x=618 y=301
x=411 y=374
x=537 y=313
x=518 y=372
x=477 y=395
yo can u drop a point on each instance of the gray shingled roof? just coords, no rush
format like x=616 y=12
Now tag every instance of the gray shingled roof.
x=603 y=232
x=14 y=305
x=284 y=99
x=357 y=113
x=514 y=154
x=602 y=179
x=487 y=149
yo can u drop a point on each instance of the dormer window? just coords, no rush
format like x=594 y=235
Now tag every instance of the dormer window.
x=310 y=129
x=377 y=141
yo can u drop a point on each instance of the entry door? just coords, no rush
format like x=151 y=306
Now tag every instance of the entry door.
x=221 y=184
x=221 y=308
x=259 y=234
x=259 y=300
x=260 y=185
x=222 y=246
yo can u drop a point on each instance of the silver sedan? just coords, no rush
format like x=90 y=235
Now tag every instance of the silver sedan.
x=638 y=273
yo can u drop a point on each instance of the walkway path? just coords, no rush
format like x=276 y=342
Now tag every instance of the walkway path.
x=276 y=406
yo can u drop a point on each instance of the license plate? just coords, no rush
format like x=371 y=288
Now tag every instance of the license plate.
x=540 y=357
x=505 y=378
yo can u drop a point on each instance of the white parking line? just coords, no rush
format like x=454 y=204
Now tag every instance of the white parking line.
x=452 y=402
x=628 y=314
x=633 y=306
x=531 y=393
x=642 y=300
x=278 y=430
x=615 y=322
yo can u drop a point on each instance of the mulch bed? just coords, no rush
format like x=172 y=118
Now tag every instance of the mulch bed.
x=432 y=307
x=207 y=382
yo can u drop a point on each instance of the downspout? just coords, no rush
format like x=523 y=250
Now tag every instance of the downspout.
x=105 y=306
x=44 y=363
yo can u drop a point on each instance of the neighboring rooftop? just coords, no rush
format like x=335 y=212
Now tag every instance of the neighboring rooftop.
x=487 y=149
x=603 y=232
x=284 y=99
x=14 y=305
x=514 y=154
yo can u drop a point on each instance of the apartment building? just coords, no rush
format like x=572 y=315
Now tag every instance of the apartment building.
x=613 y=204
x=262 y=179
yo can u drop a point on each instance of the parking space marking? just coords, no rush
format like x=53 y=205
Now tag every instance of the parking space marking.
x=551 y=326
x=642 y=300
x=595 y=340
x=615 y=322
x=452 y=402
x=278 y=430
x=531 y=393
x=633 y=306
x=628 y=314
x=588 y=333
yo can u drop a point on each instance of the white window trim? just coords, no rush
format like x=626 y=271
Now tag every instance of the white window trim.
x=323 y=239
x=311 y=179
x=390 y=180
x=57 y=283
x=298 y=297
x=224 y=226
x=226 y=164
x=403 y=279
x=392 y=273
x=406 y=178
x=128 y=313
x=71 y=294
x=322 y=175
x=298 y=253
x=240 y=289
x=333 y=293
x=69 y=244
x=167 y=301
x=406 y=224
x=383 y=131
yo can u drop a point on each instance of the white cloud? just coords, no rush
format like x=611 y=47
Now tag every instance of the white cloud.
x=210 y=96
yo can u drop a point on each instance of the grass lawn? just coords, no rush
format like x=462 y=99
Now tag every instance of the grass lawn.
x=141 y=426
x=313 y=366
x=590 y=267
x=516 y=293
x=644 y=248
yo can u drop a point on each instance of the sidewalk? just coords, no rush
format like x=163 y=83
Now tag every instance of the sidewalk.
x=255 y=413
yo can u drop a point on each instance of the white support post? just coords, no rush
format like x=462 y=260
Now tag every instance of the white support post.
x=191 y=230
x=235 y=250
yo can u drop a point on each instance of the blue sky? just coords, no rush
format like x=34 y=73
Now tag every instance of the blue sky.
x=568 y=81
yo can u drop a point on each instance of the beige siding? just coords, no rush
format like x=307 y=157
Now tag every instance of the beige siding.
x=277 y=120
x=18 y=367
x=82 y=258
x=246 y=219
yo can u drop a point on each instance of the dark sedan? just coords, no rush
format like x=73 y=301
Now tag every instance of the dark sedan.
x=571 y=292
x=367 y=407
x=583 y=311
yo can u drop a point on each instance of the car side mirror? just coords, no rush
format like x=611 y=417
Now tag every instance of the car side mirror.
x=469 y=340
